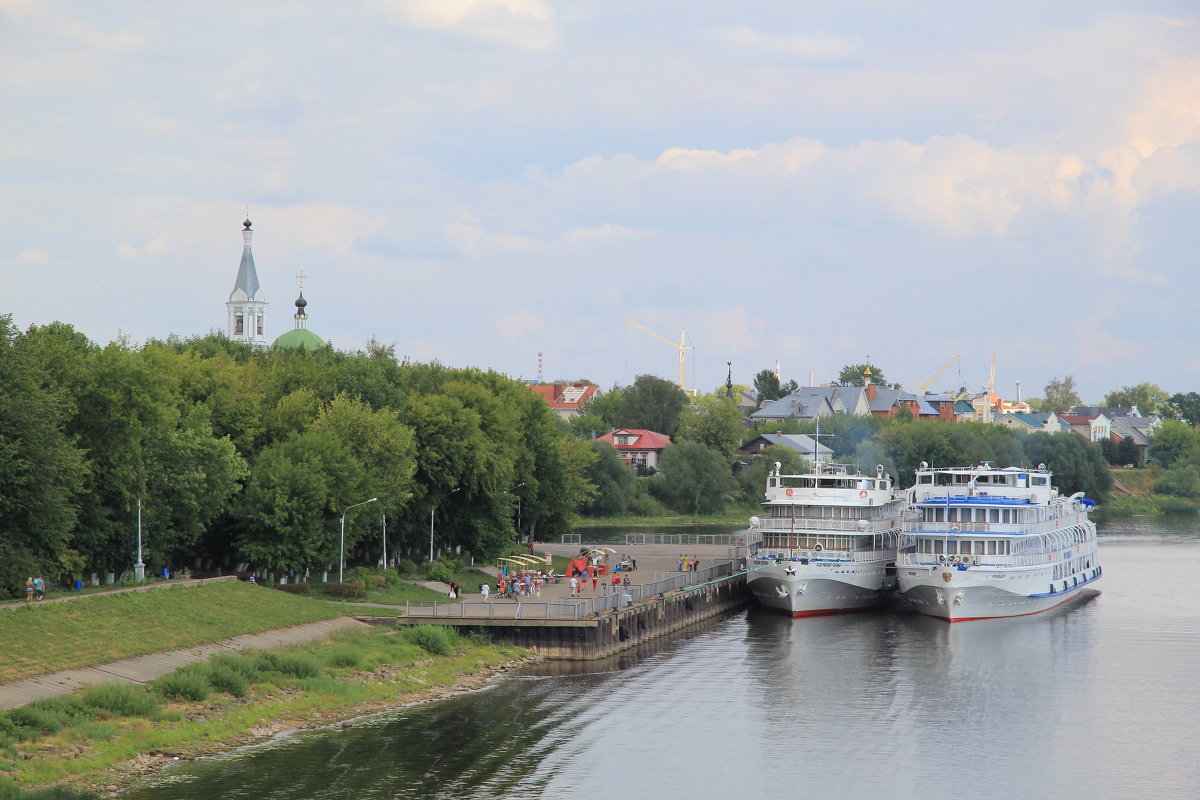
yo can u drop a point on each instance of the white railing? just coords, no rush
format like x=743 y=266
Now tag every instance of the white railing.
x=683 y=538
x=570 y=538
x=802 y=524
x=918 y=527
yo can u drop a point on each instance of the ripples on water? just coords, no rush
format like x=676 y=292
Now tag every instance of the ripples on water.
x=1096 y=700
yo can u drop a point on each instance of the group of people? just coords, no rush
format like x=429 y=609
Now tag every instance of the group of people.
x=688 y=563
x=35 y=589
x=524 y=584
x=579 y=580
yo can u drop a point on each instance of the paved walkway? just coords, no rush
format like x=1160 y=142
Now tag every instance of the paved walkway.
x=141 y=669
x=66 y=598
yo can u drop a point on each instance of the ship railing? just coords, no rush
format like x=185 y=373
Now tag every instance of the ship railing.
x=927 y=560
x=801 y=524
x=857 y=556
x=917 y=526
x=683 y=538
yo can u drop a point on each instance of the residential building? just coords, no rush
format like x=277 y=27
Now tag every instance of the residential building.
x=804 y=445
x=641 y=449
x=1047 y=422
x=566 y=400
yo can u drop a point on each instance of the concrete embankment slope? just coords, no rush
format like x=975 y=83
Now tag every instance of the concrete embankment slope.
x=142 y=669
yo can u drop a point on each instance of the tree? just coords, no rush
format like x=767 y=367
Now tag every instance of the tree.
x=1076 y=463
x=1128 y=452
x=697 y=479
x=1186 y=407
x=766 y=386
x=853 y=375
x=753 y=479
x=715 y=422
x=1061 y=395
x=1172 y=442
x=614 y=481
x=651 y=403
x=1147 y=397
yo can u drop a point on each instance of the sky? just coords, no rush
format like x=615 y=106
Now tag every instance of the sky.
x=483 y=181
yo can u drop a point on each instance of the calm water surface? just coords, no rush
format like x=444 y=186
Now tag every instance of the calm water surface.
x=1097 y=700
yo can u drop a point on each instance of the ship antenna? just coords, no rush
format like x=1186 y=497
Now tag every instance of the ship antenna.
x=816 y=437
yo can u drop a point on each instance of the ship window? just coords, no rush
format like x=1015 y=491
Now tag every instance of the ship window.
x=991 y=548
x=951 y=547
x=937 y=546
x=993 y=515
x=939 y=515
x=1038 y=480
x=924 y=479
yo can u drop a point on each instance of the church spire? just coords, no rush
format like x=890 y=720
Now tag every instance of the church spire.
x=247 y=305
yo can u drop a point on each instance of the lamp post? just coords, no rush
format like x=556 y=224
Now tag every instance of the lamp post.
x=384 y=564
x=510 y=491
x=139 y=569
x=342 y=545
x=431 y=510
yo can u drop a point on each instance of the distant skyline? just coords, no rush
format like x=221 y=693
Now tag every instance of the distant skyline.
x=478 y=181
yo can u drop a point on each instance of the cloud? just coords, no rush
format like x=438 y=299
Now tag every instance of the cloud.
x=155 y=247
x=127 y=252
x=33 y=255
x=820 y=46
x=527 y=25
x=518 y=323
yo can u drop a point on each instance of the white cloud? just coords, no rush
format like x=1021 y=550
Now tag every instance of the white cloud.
x=518 y=323
x=819 y=46
x=527 y=25
x=33 y=255
x=127 y=252
x=157 y=247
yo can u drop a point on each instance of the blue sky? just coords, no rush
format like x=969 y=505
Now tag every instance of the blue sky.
x=478 y=181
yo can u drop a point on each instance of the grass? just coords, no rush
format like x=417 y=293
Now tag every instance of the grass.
x=81 y=739
x=49 y=637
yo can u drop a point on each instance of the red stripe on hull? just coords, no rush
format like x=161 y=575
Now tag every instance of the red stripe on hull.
x=1008 y=616
x=824 y=612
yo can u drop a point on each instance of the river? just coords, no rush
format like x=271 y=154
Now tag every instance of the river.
x=1097 y=700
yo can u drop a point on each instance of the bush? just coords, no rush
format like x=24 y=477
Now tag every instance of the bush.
x=186 y=683
x=226 y=680
x=242 y=665
x=326 y=686
x=350 y=589
x=31 y=721
x=646 y=506
x=122 y=700
x=266 y=662
x=440 y=572
x=343 y=657
x=299 y=666
x=406 y=568
x=292 y=588
x=430 y=638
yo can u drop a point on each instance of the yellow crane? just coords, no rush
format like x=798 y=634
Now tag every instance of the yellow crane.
x=919 y=389
x=682 y=347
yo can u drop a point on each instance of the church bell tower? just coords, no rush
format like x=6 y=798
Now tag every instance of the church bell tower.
x=246 y=305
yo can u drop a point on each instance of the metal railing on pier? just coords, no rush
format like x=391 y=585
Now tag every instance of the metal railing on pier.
x=569 y=607
x=683 y=538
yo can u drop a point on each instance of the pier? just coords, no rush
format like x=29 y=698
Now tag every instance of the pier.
x=603 y=621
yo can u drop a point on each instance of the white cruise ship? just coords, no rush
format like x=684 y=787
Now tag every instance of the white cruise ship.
x=981 y=542
x=826 y=542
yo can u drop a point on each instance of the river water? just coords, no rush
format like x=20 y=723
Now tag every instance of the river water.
x=1098 y=700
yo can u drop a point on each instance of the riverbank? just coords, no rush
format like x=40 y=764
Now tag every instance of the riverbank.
x=86 y=744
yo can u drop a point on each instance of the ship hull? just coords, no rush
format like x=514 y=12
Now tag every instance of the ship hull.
x=962 y=598
x=817 y=590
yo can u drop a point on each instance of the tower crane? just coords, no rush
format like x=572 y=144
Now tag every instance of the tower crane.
x=920 y=388
x=682 y=347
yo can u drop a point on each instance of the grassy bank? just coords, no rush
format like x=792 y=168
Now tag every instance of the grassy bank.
x=1126 y=506
x=104 y=738
x=47 y=637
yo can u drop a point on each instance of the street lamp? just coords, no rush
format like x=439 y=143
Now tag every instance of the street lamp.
x=513 y=489
x=139 y=569
x=342 y=546
x=431 y=510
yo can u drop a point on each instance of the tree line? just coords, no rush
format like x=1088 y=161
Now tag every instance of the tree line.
x=243 y=455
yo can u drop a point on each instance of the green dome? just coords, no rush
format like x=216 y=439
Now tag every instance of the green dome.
x=299 y=339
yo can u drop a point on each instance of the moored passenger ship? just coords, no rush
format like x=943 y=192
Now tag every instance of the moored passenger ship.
x=981 y=542
x=826 y=543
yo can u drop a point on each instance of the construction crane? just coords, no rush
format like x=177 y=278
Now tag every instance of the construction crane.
x=682 y=347
x=920 y=388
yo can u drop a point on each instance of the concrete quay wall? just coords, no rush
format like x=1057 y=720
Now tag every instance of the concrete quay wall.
x=606 y=633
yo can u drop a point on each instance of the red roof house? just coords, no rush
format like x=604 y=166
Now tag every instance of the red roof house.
x=638 y=448
x=567 y=400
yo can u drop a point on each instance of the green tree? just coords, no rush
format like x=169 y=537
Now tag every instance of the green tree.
x=753 y=479
x=651 y=403
x=855 y=375
x=1172 y=441
x=1147 y=397
x=41 y=469
x=1077 y=464
x=715 y=422
x=615 y=483
x=766 y=386
x=696 y=479
x=1061 y=395
x=1186 y=407
x=1128 y=452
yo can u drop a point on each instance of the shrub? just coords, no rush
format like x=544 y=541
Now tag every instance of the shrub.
x=66 y=710
x=242 y=665
x=325 y=685
x=646 y=506
x=292 y=588
x=122 y=700
x=344 y=657
x=227 y=680
x=406 y=568
x=430 y=638
x=299 y=666
x=350 y=589
x=185 y=683
x=441 y=573
x=31 y=721
x=266 y=662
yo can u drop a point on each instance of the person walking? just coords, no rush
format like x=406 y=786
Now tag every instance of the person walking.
x=39 y=588
x=574 y=586
x=29 y=590
x=485 y=590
